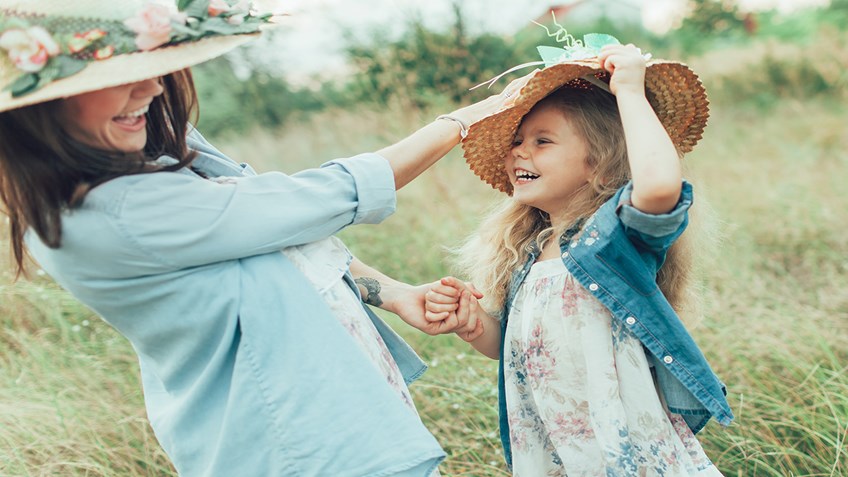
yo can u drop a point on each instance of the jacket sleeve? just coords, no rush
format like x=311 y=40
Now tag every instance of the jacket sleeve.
x=655 y=232
x=182 y=221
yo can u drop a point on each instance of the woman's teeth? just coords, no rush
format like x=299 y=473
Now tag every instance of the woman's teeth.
x=134 y=114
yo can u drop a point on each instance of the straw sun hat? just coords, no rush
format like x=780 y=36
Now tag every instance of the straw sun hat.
x=674 y=91
x=53 y=49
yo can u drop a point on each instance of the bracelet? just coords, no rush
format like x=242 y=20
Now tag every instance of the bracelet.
x=463 y=129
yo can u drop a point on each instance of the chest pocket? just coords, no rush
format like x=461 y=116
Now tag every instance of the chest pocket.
x=626 y=266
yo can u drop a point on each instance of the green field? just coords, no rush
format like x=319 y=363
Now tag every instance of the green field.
x=775 y=286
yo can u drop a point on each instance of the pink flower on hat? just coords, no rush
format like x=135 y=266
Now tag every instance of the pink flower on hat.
x=153 y=25
x=104 y=53
x=30 y=48
x=217 y=7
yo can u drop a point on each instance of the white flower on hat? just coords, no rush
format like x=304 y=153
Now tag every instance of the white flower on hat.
x=30 y=48
x=153 y=25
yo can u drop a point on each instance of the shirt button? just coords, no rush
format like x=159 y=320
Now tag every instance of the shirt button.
x=630 y=320
x=565 y=255
x=668 y=359
x=593 y=287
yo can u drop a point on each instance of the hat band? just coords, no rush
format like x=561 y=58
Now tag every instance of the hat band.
x=46 y=48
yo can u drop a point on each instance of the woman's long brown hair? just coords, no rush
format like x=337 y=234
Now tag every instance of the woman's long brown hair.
x=43 y=171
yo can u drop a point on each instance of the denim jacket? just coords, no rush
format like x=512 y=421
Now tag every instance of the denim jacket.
x=616 y=257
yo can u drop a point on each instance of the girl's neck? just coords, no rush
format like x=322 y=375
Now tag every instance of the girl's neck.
x=550 y=250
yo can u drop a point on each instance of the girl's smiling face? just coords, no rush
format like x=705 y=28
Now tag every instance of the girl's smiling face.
x=112 y=118
x=547 y=163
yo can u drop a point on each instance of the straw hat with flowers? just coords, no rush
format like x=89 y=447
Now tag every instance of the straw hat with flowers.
x=52 y=49
x=674 y=91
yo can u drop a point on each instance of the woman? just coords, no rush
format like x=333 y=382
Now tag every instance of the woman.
x=251 y=359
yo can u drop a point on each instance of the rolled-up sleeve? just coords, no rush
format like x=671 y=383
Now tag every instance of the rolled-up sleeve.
x=654 y=231
x=375 y=182
x=182 y=221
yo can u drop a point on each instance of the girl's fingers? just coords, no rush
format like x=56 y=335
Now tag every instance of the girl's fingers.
x=440 y=308
x=462 y=314
x=444 y=290
x=474 y=291
x=439 y=298
x=472 y=321
x=435 y=317
x=459 y=285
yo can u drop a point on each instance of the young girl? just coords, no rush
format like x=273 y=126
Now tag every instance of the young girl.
x=598 y=376
x=256 y=354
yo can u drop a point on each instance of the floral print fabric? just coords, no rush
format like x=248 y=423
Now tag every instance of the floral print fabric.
x=581 y=399
x=324 y=263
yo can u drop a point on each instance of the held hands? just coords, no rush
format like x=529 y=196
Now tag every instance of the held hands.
x=626 y=65
x=449 y=298
x=412 y=305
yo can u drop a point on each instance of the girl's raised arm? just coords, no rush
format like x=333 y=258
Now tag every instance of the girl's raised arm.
x=654 y=163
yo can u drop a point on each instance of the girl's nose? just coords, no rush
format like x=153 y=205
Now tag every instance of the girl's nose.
x=518 y=152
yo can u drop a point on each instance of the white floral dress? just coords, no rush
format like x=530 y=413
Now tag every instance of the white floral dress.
x=581 y=399
x=324 y=263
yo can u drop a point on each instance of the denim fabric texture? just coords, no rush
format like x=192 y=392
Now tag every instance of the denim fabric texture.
x=616 y=254
x=245 y=369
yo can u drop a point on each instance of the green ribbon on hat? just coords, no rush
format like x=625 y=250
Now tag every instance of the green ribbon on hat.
x=572 y=49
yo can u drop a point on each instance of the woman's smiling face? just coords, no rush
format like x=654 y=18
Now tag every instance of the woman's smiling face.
x=113 y=118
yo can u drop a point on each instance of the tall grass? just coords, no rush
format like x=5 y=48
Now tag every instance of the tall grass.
x=775 y=330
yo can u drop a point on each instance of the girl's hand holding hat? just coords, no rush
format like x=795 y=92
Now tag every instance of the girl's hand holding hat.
x=626 y=66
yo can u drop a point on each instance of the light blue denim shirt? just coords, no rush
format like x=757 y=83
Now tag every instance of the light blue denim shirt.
x=245 y=370
x=615 y=256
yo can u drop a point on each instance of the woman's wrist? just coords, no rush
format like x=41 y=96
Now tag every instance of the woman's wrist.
x=463 y=126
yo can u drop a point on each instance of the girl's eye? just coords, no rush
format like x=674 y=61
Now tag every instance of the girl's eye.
x=542 y=140
x=516 y=142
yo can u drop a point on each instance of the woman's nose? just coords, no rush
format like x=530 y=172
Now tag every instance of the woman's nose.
x=149 y=87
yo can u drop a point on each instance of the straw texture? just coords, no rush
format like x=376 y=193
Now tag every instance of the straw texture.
x=672 y=89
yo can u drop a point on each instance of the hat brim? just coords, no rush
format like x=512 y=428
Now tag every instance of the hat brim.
x=129 y=68
x=674 y=91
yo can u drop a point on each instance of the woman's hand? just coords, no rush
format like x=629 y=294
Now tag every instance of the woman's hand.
x=626 y=66
x=498 y=102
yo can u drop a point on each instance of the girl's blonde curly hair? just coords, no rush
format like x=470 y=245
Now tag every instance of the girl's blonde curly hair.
x=500 y=244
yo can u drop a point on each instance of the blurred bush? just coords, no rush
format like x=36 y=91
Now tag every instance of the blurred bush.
x=770 y=71
x=757 y=58
x=424 y=67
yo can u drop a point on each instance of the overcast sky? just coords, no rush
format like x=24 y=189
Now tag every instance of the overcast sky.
x=309 y=39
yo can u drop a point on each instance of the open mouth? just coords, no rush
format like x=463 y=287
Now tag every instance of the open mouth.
x=132 y=118
x=523 y=177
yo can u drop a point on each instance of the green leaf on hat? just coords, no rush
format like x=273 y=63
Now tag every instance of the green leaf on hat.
x=23 y=85
x=551 y=55
x=67 y=66
x=182 y=33
x=46 y=76
x=595 y=41
x=220 y=26
x=196 y=8
x=217 y=25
